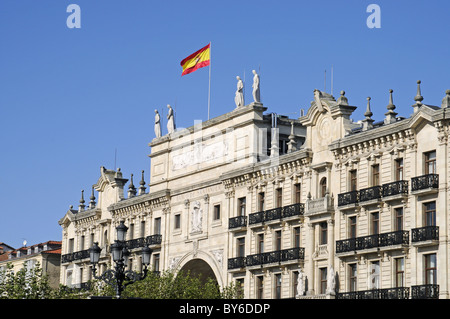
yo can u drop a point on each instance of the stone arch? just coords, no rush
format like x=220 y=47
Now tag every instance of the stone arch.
x=201 y=263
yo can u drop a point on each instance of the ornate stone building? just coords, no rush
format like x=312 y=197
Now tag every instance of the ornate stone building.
x=315 y=207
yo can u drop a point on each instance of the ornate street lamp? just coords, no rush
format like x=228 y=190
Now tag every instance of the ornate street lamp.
x=119 y=278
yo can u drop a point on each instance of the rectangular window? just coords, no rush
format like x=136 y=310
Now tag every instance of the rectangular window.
x=296 y=237
x=278 y=240
x=277 y=279
x=71 y=245
x=430 y=162
x=259 y=287
x=398 y=218
x=352 y=227
x=261 y=197
x=352 y=277
x=242 y=203
x=399 y=272
x=353 y=180
x=430 y=269
x=177 y=221
x=279 y=193
x=156 y=260
x=130 y=232
x=430 y=213
x=157 y=226
x=323 y=233
x=297 y=193
x=216 y=215
x=142 y=228
x=323 y=280
x=240 y=246
x=375 y=220
x=375 y=175
x=399 y=169
x=260 y=243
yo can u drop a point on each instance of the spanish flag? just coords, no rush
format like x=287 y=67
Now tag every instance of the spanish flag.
x=196 y=60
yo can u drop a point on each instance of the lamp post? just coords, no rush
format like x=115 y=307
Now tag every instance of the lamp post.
x=119 y=278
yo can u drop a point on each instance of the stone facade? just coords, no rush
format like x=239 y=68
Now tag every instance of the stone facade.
x=356 y=209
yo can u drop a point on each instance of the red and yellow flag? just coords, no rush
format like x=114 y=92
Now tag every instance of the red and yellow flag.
x=196 y=60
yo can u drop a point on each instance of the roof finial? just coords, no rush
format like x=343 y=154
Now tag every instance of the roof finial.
x=81 y=206
x=418 y=98
x=367 y=122
x=92 y=202
x=446 y=100
x=292 y=144
x=131 y=188
x=142 y=183
x=342 y=100
x=390 y=114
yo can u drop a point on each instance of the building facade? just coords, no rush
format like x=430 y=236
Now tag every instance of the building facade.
x=314 y=207
x=47 y=255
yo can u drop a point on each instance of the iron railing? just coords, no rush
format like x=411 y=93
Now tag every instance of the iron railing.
x=400 y=237
x=429 y=291
x=236 y=222
x=395 y=188
x=276 y=213
x=425 y=182
x=276 y=256
x=348 y=198
x=237 y=262
x=387 y=293
x=425 y=233
x=370 y=193
x=77 y=255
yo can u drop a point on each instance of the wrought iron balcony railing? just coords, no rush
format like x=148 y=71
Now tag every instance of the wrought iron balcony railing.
x=237 y=222
x=348 y=198
x=131 y=244
x=425 y=182
x=276 y=213
x=425 y=233
x=370 y=193
x=237 y=262
x=400 y=237
x=75 y=256
x=275 y=256
x=395 y=188
x=387 y=293
x=429 y=291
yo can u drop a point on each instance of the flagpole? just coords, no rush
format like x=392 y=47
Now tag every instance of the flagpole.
x=209 y=86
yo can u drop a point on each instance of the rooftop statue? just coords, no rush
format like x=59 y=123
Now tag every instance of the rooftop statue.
x=255 y=86
x=239 y=97
x=157 y=124
x=170 y=120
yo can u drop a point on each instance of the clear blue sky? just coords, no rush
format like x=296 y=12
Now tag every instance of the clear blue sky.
x=70 y=97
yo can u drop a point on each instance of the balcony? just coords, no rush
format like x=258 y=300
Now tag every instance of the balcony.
x=370 y=194
x=78 y=255
x=400 y=237
x=425 y=292
x=276 y=214
x=236 y=263
x=388 y=293
x=348 y=198
x=425 y=183
x=425 y=235
x=277 y=256
x=144 y=241
x=398 y=188
x=237 y=222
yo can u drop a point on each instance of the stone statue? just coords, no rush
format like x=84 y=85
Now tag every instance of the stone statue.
x=300 y=284
x=170 y=120
x=157 y=124
x=239 y=98
x=255 y=87
x=317 y=99
x=331 y=281
x=196 y=218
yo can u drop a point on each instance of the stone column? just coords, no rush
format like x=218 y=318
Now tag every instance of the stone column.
x=310 y=250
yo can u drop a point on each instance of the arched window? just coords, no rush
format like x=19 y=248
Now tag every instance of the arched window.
x=323 y=187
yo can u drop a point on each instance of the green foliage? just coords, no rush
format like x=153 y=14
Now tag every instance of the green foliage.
x=27 y=283
x=33 y=284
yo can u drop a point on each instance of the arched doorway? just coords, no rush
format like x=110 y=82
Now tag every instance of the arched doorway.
x=199 y=267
